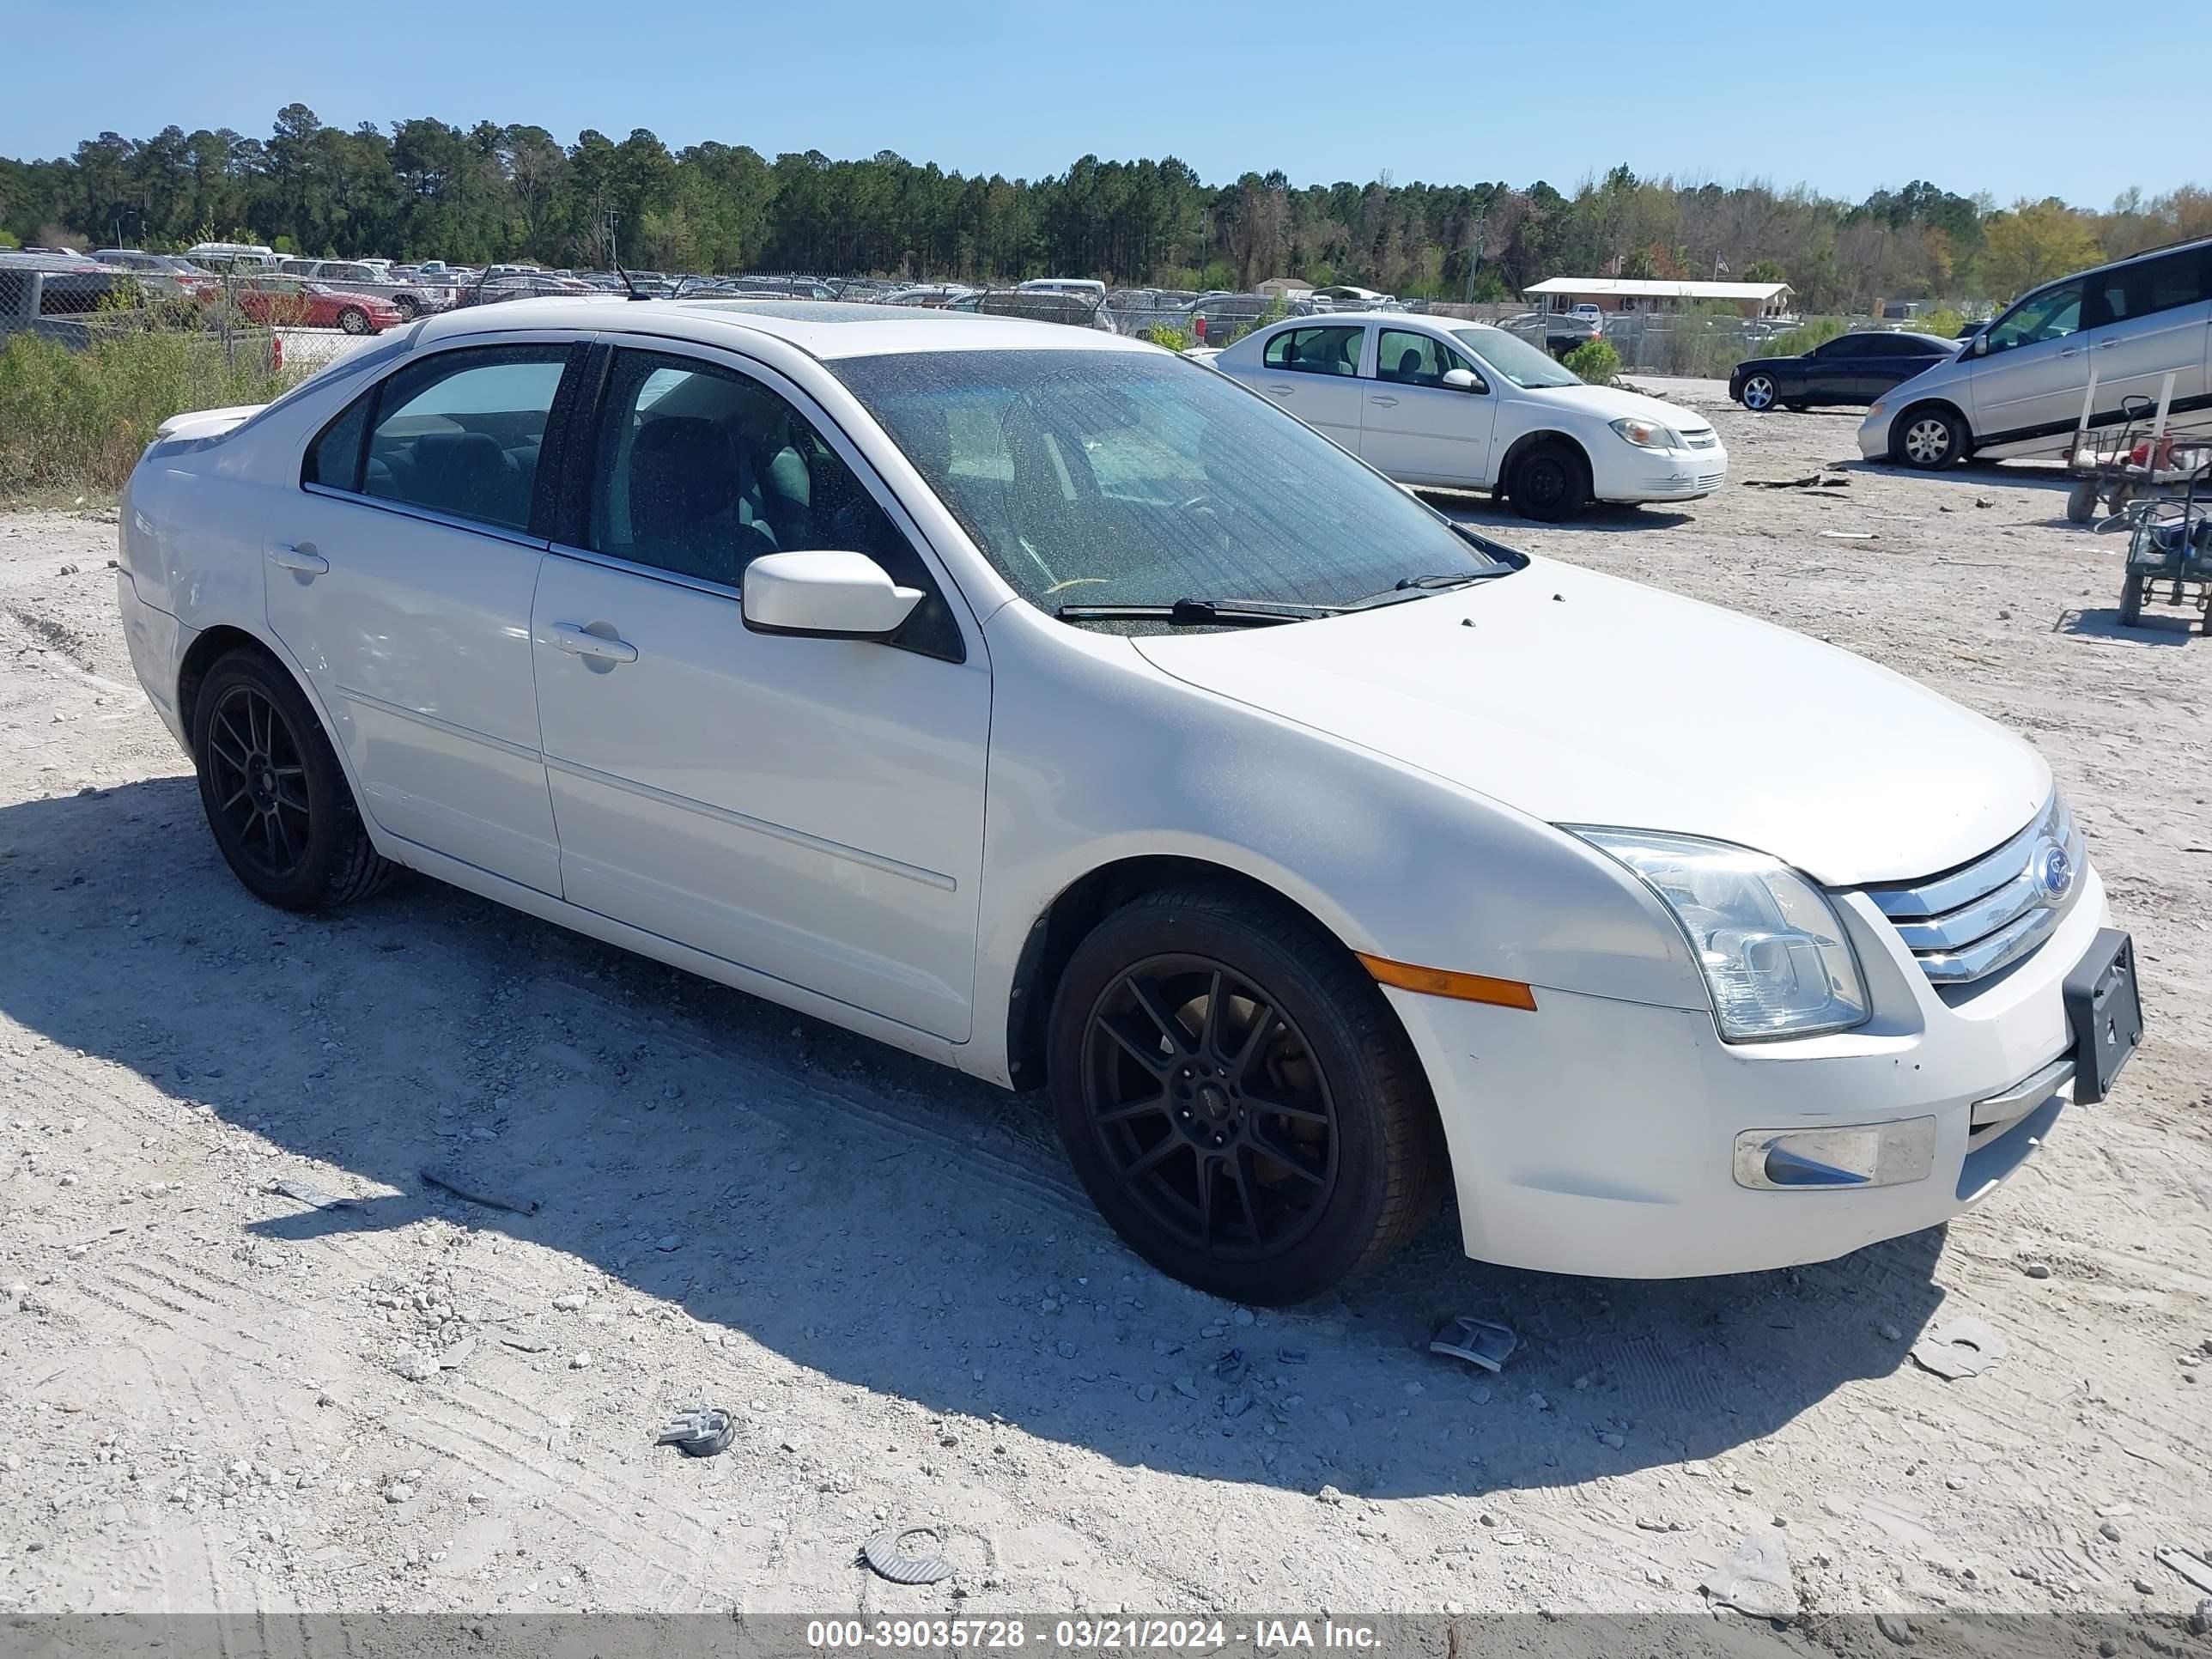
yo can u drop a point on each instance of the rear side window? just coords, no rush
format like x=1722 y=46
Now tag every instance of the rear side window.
x=458 y=433
x=1315 y=351
x=334 y=459
x=2165 y=283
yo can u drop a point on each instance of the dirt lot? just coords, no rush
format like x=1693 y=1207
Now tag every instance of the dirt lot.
x=217 y=1398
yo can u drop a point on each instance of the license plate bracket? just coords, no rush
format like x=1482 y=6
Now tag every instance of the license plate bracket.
x=2103 y=1009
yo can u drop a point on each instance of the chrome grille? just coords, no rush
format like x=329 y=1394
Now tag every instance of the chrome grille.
x=1967 y=923
x=1702 y=438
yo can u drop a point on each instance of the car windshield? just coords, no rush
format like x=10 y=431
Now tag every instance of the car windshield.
x=1514 y=357
x=1105 y=478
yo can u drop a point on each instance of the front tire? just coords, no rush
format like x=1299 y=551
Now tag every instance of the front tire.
x=354 y=320
x=1928 y=439
x=1760 y=393
x=1551 y=483
x=1238 y=1098
x=276 y=799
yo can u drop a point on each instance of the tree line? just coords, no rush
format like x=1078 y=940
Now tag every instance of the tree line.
x=427 y=189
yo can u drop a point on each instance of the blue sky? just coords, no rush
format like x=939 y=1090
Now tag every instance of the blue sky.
x=1844 y=98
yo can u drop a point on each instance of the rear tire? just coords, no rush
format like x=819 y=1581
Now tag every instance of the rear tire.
x=275 y=797
x=2081 y=502
x=1259 y=1156
x=1551 y=483
x=1928 y=438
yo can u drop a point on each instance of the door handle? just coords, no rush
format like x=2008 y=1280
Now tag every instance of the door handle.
x=1278 y=391
x=601 y=647
x=2071 y=351
x=1384 y=403
x=300 y=557
x=2106 y=345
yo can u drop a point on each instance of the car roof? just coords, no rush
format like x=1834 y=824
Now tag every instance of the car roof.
x=822 y=328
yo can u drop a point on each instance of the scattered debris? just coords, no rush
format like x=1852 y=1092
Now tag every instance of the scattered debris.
x=702 y=1431
x=2109 y=1533
x=1328 y=1495
x=570 y=1301
x=2036 y=1269
x=891 y=1557
x=1965 y=1347
x=2191 y=1567
x=306 y=1193
x=1236 y=1405
x=456 y=1356
x=1895 y=1628
x=461 y=1186
x=1290 y=1356
x=581 y=1360
x=1232 y=1366
x=1755 y=1579
x=1479 y=1341
x=1849 y=536
x=527 y=1344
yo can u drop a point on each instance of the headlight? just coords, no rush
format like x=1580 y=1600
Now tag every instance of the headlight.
x=1773 y=952
x=1873 y=409
x=1647 y=435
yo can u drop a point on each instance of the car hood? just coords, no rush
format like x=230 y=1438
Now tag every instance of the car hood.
x=1610 y=403
x=1580 y=698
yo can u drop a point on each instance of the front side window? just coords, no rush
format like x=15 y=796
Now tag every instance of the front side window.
x=700 y=470
x=457 y=433
x=1113 y=477
x=1405 y=358
x=1315 y=351
x=2050 y=315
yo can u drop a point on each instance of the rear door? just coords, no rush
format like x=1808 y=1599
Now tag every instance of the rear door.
x=1313 y=372
x=400 y=575
x=2150 y=320
x=1417 y=429
x=2029 y=383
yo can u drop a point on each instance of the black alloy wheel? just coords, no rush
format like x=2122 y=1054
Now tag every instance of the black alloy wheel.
x=259 y=782
x=1204 y=1096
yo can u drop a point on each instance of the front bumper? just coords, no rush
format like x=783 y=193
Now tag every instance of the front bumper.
x=1600 y=1137
x=1644 y=475
x=1873 y=434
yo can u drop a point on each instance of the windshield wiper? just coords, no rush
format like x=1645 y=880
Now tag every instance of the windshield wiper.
x=1201 y=613
x=1415 y=587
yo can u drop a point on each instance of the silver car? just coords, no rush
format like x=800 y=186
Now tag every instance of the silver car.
x=2068 y=353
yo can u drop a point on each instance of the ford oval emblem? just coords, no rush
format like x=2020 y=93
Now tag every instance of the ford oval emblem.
x=2052 y=871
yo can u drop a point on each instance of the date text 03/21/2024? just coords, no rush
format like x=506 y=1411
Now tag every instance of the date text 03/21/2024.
x=1088 y=1635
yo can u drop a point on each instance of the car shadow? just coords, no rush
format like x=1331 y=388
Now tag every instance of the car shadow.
x=2028 y=475
x=874 y=1220
x=1468 y=508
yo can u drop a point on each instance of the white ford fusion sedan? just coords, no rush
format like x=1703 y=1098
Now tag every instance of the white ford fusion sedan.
x=1050 y=706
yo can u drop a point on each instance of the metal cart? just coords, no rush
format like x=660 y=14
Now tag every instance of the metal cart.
x=2169 y=547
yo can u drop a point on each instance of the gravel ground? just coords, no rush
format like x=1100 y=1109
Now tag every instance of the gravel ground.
x=219 y=1398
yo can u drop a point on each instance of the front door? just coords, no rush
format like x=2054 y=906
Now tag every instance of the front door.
x=811 y=809
x=2029 y=382
x=1416 y=428
x=1313 y=371
x=400 y=575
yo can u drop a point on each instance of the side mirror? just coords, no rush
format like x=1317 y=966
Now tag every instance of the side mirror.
x=1981 y=346
x=1461 y=379
x=837 y=596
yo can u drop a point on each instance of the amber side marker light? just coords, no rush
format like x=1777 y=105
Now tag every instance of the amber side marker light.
x=1437 y=982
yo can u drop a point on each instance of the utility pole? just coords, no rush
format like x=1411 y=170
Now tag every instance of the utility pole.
x=609 y=218
x=1476 y=240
